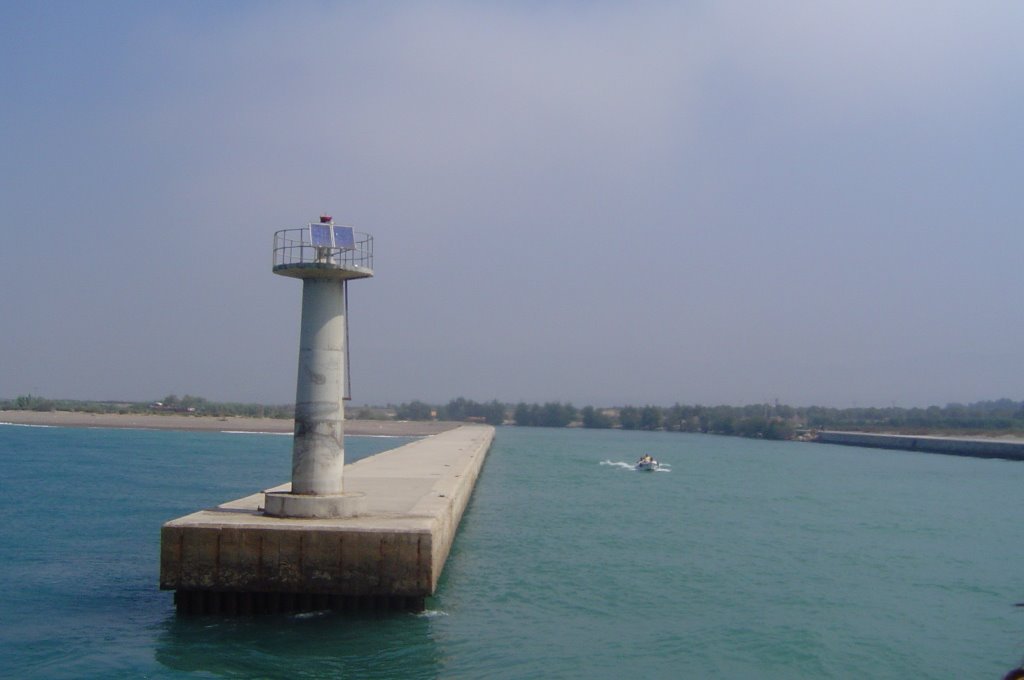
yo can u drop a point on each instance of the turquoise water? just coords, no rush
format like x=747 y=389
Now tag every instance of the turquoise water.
x=749 y=558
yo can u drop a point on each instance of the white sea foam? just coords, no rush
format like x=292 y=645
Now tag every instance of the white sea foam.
x=26 y=425
x=431 y=613
x=311 y=615
x=285 y=434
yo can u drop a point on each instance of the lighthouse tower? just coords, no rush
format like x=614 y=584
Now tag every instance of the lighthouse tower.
x=326 y=256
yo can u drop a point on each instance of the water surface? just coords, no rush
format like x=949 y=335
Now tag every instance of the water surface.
x=749 y=558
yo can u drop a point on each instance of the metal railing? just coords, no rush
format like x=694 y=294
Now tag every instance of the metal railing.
x=293 y=247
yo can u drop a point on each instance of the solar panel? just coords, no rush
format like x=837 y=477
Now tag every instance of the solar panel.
x=320 y=235
x=344 y=238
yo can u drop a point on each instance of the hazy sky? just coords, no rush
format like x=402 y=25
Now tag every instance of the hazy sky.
x=602 y=203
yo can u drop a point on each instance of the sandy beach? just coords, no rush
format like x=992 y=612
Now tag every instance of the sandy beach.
x=173 y=421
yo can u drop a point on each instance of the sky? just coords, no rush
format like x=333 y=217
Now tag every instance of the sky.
x=595 y=202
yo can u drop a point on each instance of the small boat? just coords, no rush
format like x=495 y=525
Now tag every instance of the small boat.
x=646 y=464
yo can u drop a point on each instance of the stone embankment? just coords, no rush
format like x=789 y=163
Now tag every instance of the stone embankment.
x=1010 y=449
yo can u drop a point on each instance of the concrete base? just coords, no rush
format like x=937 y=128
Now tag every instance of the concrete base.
x=228 y=603
x=392 y=552
x=280 y=504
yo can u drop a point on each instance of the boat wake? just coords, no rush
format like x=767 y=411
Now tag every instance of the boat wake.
x=626 y=466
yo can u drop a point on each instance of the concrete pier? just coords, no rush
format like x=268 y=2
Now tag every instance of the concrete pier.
x=1009 y=449
x=235 y=559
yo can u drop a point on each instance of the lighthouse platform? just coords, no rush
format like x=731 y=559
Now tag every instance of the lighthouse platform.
x=234 y=559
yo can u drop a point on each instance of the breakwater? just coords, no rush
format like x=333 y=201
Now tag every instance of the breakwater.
x=954 y=446
x=235 y=559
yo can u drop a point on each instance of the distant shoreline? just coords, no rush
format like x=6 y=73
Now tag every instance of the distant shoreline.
x=173 y=421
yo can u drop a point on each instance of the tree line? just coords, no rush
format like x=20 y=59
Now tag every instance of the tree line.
x=766 y=421
x=171 y=403
x=461 y=409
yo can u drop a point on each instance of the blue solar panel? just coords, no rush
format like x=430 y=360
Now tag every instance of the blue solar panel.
x=320 y=235
x=344 y=238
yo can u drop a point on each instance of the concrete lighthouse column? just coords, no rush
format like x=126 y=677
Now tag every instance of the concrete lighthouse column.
x=318 y=451
x=318 y=448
